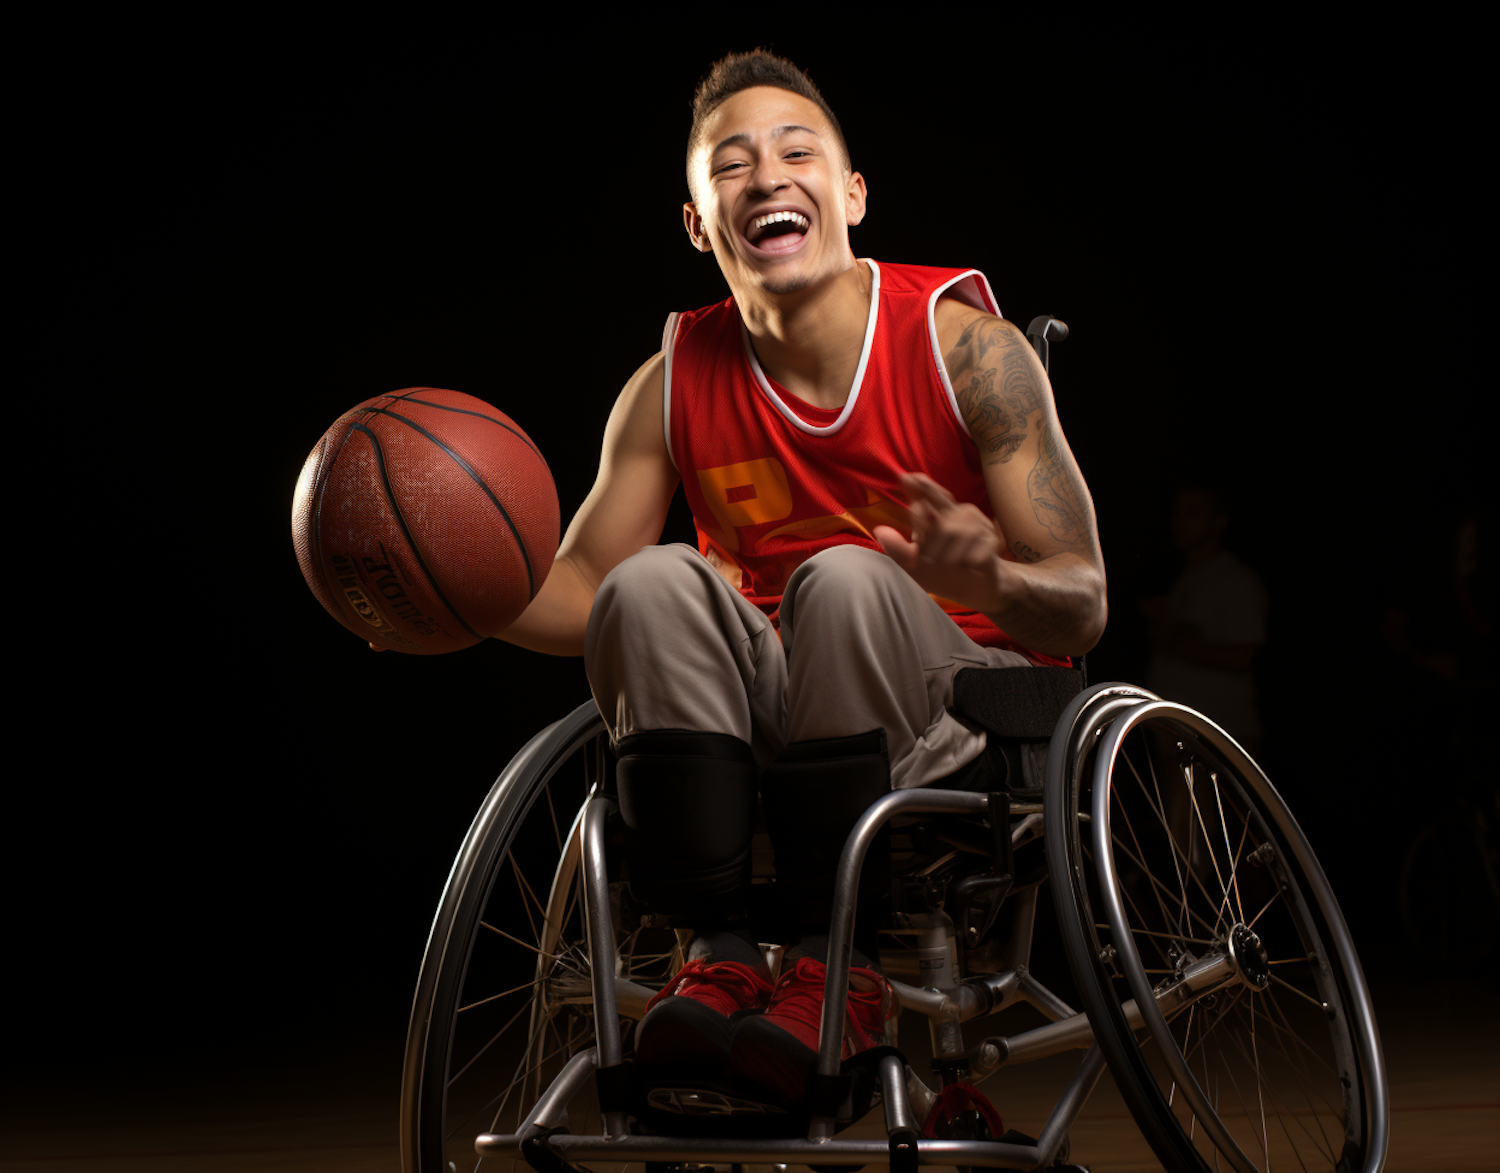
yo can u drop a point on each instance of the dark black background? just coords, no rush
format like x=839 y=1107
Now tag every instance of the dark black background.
x=249 y=817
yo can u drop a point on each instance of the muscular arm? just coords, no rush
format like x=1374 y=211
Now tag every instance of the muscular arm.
x=624 y=512
x=1052 y=596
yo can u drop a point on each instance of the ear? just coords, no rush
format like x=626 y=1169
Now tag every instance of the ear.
x=695 y=229
x=854 y=198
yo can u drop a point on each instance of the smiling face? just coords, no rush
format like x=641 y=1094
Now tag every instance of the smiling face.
x=774 y=195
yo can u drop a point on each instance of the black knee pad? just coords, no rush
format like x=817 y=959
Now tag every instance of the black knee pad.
x=812 y=795
x=688 y=804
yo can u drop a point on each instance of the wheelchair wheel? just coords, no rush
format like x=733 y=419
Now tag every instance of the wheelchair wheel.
x=1209 y=951
x=504 y=995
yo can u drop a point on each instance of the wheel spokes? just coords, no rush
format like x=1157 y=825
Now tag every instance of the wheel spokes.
x=1243 y=1067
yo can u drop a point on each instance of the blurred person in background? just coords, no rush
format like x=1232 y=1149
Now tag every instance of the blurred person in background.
x=1208 y=630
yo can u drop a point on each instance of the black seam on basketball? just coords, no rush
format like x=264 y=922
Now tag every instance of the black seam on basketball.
x=410 y=541
x=478 y=480
x=520 y=435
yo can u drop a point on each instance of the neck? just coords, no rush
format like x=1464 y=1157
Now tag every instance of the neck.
x=810 y=341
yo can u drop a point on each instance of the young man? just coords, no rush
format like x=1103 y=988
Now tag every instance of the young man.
x=883 y=496
x=1207 y=633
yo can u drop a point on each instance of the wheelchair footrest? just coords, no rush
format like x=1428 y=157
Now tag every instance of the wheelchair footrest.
x=704 y=1108
x=687 y=1103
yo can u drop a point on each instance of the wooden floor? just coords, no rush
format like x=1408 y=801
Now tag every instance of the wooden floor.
x=1442 y=1043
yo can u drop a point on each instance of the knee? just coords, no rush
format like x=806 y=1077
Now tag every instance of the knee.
x=636 y=597
x=648 y=574
x=842 y=577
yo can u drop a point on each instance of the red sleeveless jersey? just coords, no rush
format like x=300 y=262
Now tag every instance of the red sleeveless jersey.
x=772 y=479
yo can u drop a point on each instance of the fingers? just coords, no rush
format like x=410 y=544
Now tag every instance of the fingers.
x=924 y=520
x=903 y=551
x=950 y=532
x=954 y=549
x=922 y=488
x=931 y=506
x=965 y=546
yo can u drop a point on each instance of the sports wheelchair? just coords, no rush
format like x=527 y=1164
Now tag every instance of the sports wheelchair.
x=1217 y=979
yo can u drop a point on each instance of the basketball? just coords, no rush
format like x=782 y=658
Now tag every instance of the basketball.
x=425 y=520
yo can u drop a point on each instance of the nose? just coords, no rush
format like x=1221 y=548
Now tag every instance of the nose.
x=768 y=175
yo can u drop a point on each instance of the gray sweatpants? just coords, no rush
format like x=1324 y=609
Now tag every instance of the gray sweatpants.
x=671 y=645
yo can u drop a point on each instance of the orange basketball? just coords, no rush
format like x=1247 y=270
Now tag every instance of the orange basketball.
x=425 y=520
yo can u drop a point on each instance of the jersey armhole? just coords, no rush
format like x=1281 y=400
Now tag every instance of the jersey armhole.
x=668 y=342
x=971 y=288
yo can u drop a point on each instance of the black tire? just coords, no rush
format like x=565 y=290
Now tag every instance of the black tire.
x=1277 y=1061
x=503 y=1000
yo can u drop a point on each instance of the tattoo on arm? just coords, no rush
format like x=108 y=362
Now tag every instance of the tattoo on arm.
x=992 y=377
x=1000 y=390
x=989 y=422
x=1057 y=493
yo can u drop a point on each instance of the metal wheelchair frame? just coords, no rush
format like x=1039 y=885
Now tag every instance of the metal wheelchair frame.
x=1219 y=967
x=1110 y=1028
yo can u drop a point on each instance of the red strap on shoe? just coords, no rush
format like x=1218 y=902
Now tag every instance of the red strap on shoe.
x=678 y=978
x=796 y=1006
x=746 y=986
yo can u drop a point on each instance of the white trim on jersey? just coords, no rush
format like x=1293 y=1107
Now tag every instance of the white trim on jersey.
x=668 y=344
x=859 y=372
x=975 y=291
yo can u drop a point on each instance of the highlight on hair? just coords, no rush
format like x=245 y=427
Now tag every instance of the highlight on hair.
x=741 y=71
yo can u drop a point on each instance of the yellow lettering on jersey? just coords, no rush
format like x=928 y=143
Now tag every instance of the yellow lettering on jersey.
x=876 y=510
x=748 y=493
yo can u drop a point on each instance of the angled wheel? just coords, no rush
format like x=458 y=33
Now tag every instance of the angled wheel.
x=1208 y=948
x=504 y=995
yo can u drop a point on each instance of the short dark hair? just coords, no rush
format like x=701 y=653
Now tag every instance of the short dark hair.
x=742 y=71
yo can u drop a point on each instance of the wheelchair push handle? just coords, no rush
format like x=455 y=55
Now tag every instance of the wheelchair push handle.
x=1044 y=330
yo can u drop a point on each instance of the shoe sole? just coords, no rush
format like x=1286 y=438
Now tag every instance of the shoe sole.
x=772 y=1058
x=681 y=1031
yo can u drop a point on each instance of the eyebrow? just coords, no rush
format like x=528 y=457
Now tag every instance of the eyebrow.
x=744 y=139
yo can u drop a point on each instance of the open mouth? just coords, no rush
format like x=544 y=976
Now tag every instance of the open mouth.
x=777 y=232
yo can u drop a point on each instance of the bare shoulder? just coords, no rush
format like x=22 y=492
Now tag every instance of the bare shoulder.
x=1007 y=404
x=962 y=328
x=646 y=383
x=1000 y=386
x=636 y=420
x=627 y=506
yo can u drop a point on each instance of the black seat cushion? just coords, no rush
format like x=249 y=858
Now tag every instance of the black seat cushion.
x=1021 y=703
x=1018 y=708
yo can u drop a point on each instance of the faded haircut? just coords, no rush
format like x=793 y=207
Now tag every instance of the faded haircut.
x=741 y=71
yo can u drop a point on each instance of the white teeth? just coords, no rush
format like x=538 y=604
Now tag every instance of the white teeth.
x=760 y=223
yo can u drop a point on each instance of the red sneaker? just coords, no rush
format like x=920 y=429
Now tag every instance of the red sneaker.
x=690 y=1021
x=779 y=1048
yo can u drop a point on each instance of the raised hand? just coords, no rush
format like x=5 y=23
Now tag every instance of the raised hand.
x=954 y=550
